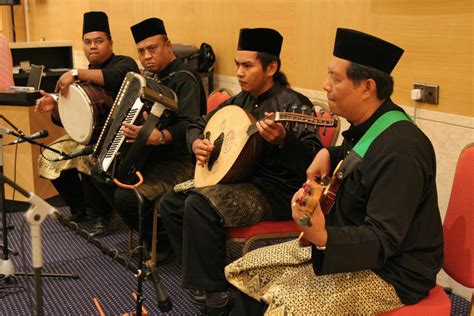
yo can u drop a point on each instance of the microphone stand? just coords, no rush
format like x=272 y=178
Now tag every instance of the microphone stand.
x=7 y=268
x=164 y=302
x=35 y=216
x=31 y=141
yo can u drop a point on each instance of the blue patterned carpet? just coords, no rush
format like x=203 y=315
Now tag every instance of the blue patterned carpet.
x=100 y=276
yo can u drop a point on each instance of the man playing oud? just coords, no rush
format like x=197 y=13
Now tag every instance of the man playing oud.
x=196 y=220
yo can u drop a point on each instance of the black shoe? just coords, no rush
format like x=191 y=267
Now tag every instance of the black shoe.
x=101 y=228
x=198 y=297
x=99 y=224
x=78 y=217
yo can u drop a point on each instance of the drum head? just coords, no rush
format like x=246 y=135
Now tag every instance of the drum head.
x=76 y=114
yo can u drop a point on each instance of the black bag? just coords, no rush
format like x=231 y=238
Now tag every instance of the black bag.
x=207 y=58
x=189 y=54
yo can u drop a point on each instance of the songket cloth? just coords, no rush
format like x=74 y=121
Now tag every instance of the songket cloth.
x=49 y=169
x=238 y=204
x=282 y=276
x=161 y=176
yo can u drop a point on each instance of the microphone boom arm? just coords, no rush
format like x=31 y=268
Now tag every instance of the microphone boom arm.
x=31 y=141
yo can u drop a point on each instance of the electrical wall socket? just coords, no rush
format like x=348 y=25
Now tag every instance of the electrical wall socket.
x=429 y=92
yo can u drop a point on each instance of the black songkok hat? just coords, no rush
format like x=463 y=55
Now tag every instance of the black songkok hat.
x=366 y=50
x=95 y=21
x=147 y=28
x=261 y=40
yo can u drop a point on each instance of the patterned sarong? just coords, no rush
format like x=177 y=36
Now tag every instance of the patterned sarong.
x=49 y=169
x=282 y=276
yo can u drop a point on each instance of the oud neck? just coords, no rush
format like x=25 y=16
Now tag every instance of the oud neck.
x=294 y=117
x=253 y=127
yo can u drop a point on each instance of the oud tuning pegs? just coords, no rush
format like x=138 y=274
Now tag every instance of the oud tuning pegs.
x=293 y=108
x=304 y=109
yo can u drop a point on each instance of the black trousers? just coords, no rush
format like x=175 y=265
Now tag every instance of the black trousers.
x=70 y=188
x=79 y=193
x=198 y=238
x=246 y=305
x=126 y=205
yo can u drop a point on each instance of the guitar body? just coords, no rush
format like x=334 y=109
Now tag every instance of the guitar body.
x=236 y=152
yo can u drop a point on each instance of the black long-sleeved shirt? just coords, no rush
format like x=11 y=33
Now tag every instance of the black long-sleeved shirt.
x=114 y=70
x=191 y=103
x=386 y=215
x=281 y=170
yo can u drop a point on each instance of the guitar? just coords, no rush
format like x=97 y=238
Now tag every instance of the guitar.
x=237 y=144
x=314 y=194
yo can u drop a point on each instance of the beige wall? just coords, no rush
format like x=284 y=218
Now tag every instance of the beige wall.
x=436 y=34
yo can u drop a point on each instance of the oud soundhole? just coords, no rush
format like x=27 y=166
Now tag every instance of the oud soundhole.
x=216 y=152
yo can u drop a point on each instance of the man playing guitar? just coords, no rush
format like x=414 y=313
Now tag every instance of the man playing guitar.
x=381 y=245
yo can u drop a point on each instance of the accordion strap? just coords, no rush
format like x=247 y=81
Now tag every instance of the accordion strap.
x=140 y=141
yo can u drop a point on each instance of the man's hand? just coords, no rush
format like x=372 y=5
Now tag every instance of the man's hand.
x=131 y=131
x=63 y=83
x=272 y=132
x=202 y=148
x=320 y=166
x=46 y=103
x=316 y=233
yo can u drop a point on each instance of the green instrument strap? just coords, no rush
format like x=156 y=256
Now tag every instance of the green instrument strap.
x=381 y=124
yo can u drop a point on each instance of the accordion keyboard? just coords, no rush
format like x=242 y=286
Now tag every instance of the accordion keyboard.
x=119 y=137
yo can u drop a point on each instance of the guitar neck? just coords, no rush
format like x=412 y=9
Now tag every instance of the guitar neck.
x=297 y=118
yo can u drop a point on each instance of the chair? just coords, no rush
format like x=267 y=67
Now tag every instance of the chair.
x=458 y=229
x=268 y=230
x=217 y=97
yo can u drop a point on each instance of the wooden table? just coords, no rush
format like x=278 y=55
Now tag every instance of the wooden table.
x=27 y=155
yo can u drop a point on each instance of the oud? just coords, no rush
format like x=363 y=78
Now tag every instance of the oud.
x=237 y=143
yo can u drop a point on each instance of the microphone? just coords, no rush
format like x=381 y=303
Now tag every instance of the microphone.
x=41 y=134
x=164 y=302
x=4 y=130
x=83 y=152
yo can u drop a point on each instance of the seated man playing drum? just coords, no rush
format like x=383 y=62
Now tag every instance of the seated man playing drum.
x=104 y=76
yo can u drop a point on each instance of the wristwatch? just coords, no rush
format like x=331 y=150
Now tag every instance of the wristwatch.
x=75 y=73
x=162 y=139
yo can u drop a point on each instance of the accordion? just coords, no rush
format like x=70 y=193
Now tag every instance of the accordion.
x=116 y=158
